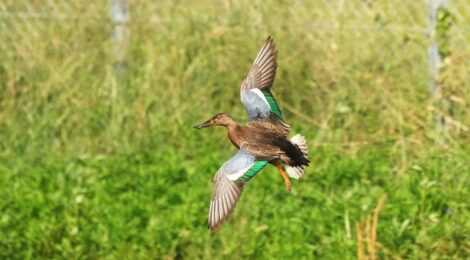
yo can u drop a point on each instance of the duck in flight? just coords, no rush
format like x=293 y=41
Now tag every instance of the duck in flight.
x=263 y=140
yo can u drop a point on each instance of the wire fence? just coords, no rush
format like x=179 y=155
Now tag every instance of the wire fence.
x=22 y=22
x=434 y=25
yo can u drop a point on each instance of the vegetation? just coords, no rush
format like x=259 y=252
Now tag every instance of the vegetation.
x=94 y=165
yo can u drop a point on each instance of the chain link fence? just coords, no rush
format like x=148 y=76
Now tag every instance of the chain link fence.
x=46 y=31
x=24 y=22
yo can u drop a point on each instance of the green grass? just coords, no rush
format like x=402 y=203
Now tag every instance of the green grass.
x=94 y=166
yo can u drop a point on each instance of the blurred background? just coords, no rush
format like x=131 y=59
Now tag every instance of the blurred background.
x=98 y=158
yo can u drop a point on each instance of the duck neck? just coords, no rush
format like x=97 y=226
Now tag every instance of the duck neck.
x=234 y=134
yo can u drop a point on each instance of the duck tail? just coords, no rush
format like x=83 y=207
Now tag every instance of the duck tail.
x=296 y=171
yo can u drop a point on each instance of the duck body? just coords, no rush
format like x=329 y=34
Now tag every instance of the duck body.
x=268 y=141
x=258 y=132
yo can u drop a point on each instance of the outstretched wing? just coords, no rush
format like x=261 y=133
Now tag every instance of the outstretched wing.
x=229 y=181
x=255 y=92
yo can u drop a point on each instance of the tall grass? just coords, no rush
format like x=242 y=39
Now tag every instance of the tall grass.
x=94 y=165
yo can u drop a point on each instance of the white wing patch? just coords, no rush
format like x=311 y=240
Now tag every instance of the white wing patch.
x=255 y=103
x=235 y=175
x=260 y=94
x=238 y=165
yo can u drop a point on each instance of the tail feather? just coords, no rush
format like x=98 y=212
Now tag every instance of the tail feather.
x=297 y=171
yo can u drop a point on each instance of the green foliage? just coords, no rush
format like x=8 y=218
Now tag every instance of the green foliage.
x=93 y=166
x=445 y=22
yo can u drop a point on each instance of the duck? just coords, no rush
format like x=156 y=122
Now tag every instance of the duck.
x=263 y=140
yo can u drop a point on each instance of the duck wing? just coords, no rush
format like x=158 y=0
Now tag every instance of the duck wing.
x=255 y=90
x=228 y=185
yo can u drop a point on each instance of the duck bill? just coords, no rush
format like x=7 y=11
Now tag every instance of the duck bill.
x=205 y=124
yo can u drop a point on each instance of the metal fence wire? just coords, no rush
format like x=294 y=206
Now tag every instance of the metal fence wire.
x=32 y=31
x=24 y=22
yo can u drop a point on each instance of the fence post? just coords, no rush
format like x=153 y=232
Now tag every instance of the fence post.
x=120 y=18
x=434 y=60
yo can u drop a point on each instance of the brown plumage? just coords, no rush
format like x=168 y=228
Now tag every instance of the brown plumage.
x=266 y=139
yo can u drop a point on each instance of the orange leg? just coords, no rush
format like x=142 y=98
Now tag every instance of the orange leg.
x=286 y=178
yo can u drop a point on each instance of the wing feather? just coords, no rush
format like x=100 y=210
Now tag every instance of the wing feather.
x=260 y=79
x=263 y=69
x=228 y=187
x=225 y=197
